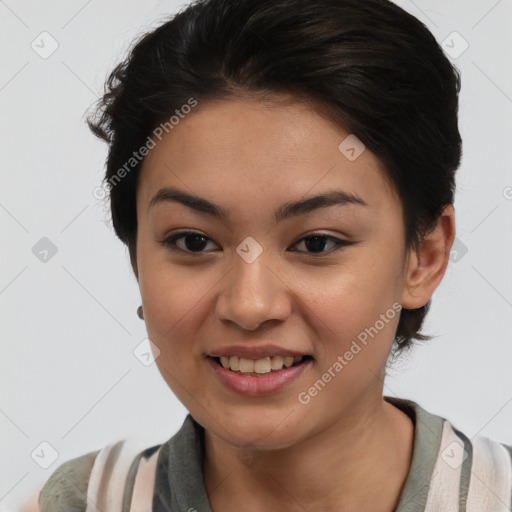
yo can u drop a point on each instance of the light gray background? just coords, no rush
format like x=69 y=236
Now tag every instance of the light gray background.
x=68 y=326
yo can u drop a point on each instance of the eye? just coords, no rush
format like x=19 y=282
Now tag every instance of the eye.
x=317 y=242
x=194 y=243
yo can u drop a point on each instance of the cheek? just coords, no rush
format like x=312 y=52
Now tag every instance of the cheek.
x=354 y=322
x=172 y=305
x=168 y=291
x=170 y=295
x=356 y=303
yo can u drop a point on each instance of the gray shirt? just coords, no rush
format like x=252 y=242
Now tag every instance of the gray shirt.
x=434 y=478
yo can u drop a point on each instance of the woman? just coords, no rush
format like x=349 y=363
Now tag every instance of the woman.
x=283 y=174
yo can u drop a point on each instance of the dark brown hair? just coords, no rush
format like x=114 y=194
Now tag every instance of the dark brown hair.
x=377 y=70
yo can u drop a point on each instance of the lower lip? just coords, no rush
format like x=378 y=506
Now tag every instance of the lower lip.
x=255 y=386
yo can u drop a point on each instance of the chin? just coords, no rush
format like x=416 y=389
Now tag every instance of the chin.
x=263 y=431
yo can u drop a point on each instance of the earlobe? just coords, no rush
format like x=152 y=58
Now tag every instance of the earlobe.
x=427 y=266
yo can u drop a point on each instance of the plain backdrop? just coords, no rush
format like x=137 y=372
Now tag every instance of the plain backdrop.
x=70 y=381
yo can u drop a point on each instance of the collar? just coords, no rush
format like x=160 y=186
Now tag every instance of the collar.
x=184 y=453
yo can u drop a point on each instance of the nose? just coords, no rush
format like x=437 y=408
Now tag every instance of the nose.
x=252 y=294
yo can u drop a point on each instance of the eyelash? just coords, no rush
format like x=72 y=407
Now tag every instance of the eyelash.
x=170 y=243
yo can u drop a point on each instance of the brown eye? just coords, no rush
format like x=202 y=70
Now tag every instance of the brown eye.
x=317 y=243
x=193 y=243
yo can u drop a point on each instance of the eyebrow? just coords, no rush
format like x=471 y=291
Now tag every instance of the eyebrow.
x=286 y=211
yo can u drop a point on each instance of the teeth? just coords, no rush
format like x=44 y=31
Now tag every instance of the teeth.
x=234 y=363
x=288 y=361
x=276 y=362
x=246 y=365
x=262 y=365
x=259 y=366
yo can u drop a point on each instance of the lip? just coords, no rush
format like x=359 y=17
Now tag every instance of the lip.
x=257 y=352
x=257 y=386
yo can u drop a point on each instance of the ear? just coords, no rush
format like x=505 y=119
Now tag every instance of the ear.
x=427 y=265
x=133 y=261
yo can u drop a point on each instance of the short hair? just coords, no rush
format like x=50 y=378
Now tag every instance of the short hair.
x=369 y=65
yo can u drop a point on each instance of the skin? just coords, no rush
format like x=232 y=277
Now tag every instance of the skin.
x=32 y=505
x=347 y=448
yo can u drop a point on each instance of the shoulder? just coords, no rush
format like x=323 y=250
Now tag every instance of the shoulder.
x=476 y=471
x=66 y=488
x=105 y=476
x=451 y=467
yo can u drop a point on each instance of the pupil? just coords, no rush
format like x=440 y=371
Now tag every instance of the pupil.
x=193 y=246
x=317 y=244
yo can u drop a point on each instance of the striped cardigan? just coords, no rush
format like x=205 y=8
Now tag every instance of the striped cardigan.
x=448 y=473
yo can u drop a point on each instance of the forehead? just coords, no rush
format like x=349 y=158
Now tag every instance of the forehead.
x=245 y=151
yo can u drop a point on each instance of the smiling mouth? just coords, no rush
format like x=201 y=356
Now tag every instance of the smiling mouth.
x=259 y=367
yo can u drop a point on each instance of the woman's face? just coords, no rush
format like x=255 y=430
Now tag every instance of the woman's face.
x=257 y=277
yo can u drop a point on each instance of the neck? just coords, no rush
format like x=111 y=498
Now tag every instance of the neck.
x=358 y=463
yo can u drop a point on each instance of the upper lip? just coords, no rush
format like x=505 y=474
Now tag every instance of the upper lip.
x=256 y=352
